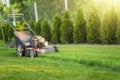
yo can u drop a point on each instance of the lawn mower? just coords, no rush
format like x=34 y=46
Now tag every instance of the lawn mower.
x=26 y=41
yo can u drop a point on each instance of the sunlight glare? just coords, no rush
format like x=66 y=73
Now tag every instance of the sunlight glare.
x=106 y=1
x=115 y=2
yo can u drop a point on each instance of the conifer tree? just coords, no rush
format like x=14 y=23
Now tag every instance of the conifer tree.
x=66 y=29
x=56 y=29
x=32 y=24
x=80 y=28
x=93 y=27
x=118 y=34
x=38 y=27
x=109 y=27
x=46 y=29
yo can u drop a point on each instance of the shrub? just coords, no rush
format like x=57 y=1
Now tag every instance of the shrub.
x=118 y=34
x=20 y=26
x=38 y=27
x=66 y=29
x=56 y=29
x=2 y=43
x=32 y=24
x=109 y=27
x=93 y=27
x=80 y=28
x=8 y=32
x=46 y=29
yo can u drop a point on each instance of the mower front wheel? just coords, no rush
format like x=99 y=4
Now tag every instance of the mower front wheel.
x=20 y=51
x=19 y=54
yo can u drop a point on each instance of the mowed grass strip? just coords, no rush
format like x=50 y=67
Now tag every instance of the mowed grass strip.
x=73 y=62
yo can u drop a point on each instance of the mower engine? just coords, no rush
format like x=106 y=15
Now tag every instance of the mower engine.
x=39 y=46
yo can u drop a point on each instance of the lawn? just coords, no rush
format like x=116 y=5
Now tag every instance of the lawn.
x=73 y=62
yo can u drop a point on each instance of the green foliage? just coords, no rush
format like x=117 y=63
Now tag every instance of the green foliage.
x=109 y=27
x=46 y=29
x=32 y=23
x=38 y=27
x=93 y=27
x=66 y=29
x=118 y=34
x=50 y=8
x=4 y=11
x=80 y=28
x=56 y=29
x=20 y=26
x=8 y=32
x=2 y=23
x=2 y=44
x=5 y=30
x=25 y=7
x=24 y=24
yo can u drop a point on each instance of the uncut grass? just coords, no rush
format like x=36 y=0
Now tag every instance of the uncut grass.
x=86 y=62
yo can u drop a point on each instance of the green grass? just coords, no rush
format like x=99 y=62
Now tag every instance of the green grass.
x=73 y=62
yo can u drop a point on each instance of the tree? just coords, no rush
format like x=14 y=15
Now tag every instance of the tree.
x=38 y=27
x=93 y=27
x=56 y=29
x=46 y=29
x=25 y=7
x=4 y=27
x=109 y=27
x=2 y=23
x=50 y=8
x=80 y=28
x=32 y=24
x=8 y=32
x=118 y=34
x=66 y=29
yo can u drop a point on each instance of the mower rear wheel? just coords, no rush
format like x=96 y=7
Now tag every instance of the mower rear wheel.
x=32 y=54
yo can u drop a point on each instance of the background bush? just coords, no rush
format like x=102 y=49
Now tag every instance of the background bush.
x=56 y=29
x=109 y=27
x=46 y=29
x=93 y=27
x=66 y=29
x=79 y=33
